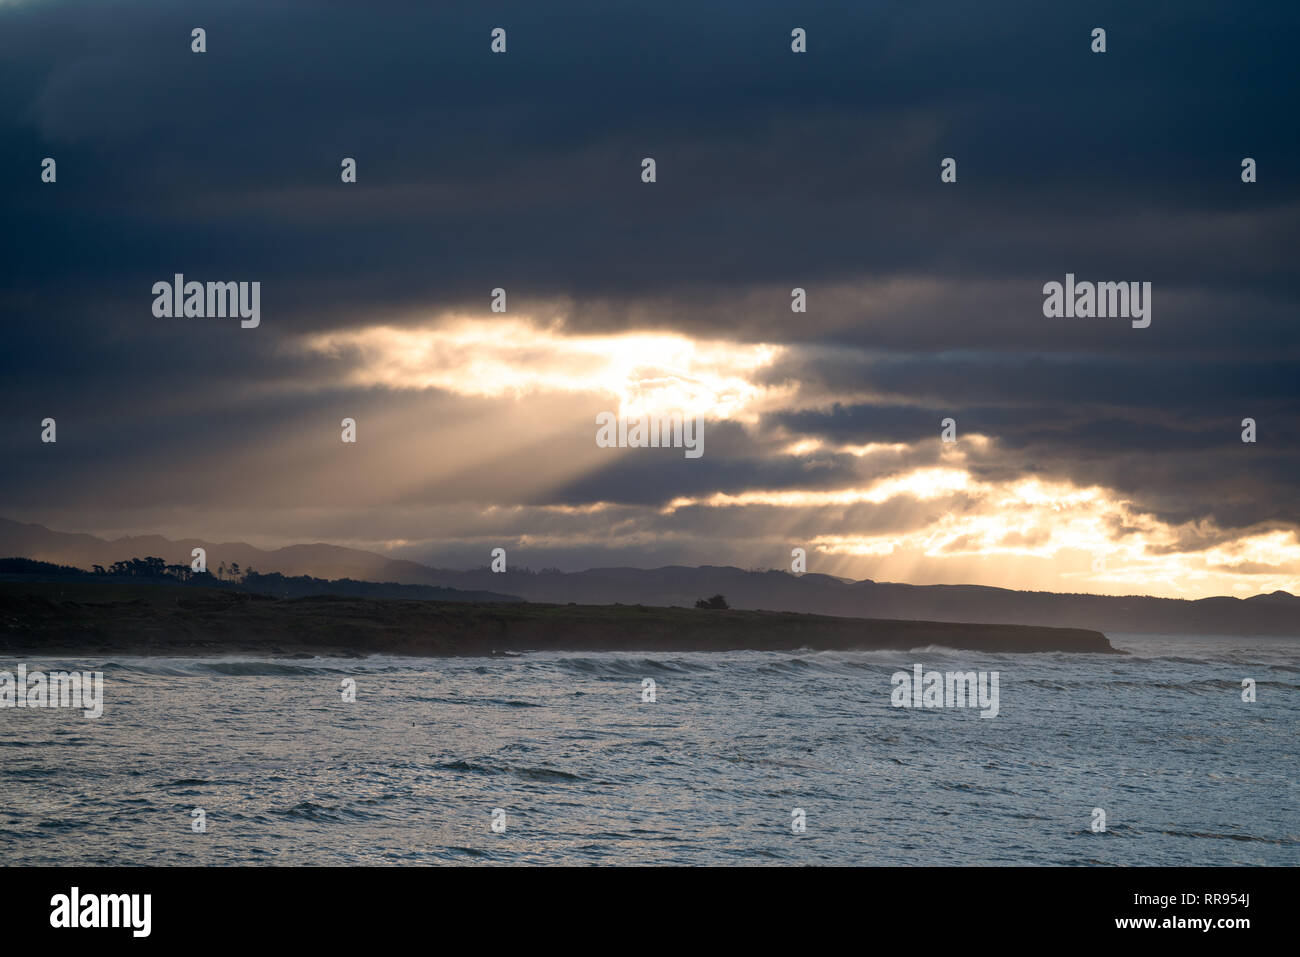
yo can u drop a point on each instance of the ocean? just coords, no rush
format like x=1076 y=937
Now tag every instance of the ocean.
x=554 y=758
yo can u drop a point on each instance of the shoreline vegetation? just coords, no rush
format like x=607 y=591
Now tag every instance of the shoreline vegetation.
x=78 y=618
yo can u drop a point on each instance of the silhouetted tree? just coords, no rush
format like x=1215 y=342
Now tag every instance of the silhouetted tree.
x=717 y=601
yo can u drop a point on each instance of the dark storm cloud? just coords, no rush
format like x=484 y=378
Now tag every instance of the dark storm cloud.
x=817 y=167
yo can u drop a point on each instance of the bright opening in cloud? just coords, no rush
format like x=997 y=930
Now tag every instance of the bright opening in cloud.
x=643 y=372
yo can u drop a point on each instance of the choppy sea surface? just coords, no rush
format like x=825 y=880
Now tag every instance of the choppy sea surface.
x=586 y=772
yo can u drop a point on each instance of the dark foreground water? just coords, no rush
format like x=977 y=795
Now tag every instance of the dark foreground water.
x=286 y=772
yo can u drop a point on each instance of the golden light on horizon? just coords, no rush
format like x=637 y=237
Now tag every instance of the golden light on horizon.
x=1074 y=538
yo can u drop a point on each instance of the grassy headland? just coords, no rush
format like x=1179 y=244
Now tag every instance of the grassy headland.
x=80 y=618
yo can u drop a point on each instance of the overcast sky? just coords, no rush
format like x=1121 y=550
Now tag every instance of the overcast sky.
x=1077 y=439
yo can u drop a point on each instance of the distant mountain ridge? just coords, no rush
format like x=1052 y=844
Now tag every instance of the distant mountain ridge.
x=320 y=560
x=273 y=584
x=1274 y=614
